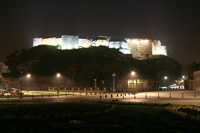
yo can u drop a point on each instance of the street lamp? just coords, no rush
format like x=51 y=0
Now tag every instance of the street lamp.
x=28 y=76
x=133 y=73
x=95 y=85
x=165 y=78
x=114 y=80
x=58 y=76
x=21 y=84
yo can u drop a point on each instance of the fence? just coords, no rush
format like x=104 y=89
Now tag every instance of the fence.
x=104 y=94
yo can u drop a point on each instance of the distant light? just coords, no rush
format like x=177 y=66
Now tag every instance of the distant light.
x=165 y=77
x=183 y=76
x=58 y=75
x=132 y=73
x=28 y=75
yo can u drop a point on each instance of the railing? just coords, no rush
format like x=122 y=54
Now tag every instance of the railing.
x=97 y=95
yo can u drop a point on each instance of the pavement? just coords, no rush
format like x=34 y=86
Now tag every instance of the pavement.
x=182 y=97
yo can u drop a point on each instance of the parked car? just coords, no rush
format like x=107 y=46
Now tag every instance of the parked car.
x=16 y=92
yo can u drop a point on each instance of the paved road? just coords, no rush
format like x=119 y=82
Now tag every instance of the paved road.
x=173 y=97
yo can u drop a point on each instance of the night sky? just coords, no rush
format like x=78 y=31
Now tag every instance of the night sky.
x=174 y=22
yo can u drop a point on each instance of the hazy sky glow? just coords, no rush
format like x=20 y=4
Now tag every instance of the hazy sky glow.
x=175 y=23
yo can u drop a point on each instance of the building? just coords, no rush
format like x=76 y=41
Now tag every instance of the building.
x=193 y=83
x=101 y=41
x=191 y=73
x=133 y=83
x=84 y=42
x=119 y=43
x=144 y=48
x=196 y=82
x=139 y=48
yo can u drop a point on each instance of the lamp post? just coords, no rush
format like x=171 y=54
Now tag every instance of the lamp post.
x=114 y=80
x=133 y=73
x=183 y=79
x=95 y=85
x=21 y=84
x=165 y=78
x=28 y=76
x=58 y=76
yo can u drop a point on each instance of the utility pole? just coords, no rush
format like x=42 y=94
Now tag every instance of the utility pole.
x=114 y=81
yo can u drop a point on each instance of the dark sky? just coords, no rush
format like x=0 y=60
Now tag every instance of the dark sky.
x=174 y=22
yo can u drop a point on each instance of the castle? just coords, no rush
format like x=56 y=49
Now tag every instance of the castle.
x=139 y=48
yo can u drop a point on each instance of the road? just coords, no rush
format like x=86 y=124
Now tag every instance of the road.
x=173 y=97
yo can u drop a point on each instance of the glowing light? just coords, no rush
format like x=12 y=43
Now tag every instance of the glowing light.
x=85 y=43
x=132 y=73
x=135 y=41
x=28 y=75
x=58 y=75
x=102 y=43
x=183 y=76
x=146 y=41
x=165 y=77
x=125 y=51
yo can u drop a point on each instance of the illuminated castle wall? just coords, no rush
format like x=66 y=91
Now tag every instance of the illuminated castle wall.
x=139 y=48
x=143 y=48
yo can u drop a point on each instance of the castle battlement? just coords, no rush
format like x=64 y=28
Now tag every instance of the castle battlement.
x=139 y=48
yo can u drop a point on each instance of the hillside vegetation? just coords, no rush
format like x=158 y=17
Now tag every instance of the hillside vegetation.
x=83 y=65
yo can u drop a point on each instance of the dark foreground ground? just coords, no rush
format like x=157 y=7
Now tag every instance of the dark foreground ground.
x=93 y=117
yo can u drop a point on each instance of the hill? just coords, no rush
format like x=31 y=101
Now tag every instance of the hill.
x=81 y=65
x=84 y=65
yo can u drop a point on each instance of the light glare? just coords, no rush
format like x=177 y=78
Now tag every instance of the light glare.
x=132 y=73
x=58 y=75
x=28 y=75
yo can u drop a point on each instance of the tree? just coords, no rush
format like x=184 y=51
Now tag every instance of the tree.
x=158 y=66
x=13 y=55
x=71 y=73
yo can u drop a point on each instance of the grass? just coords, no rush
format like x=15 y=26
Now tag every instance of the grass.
x=94 y=117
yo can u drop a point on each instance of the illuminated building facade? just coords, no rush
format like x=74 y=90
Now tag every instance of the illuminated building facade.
x=84 y=42
x=144 y=48
x=133 y=83
x=139 y=48
x=101 y=41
